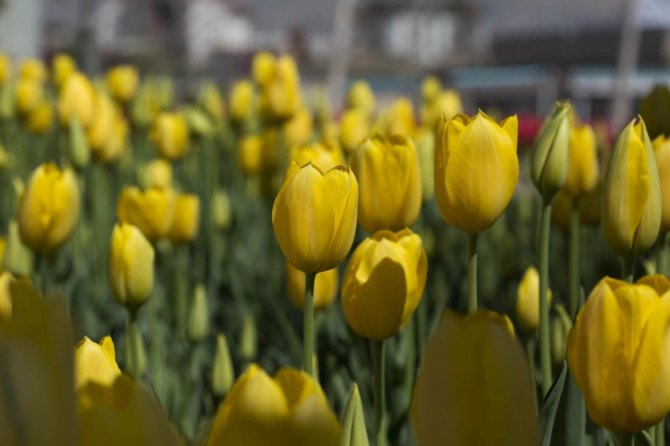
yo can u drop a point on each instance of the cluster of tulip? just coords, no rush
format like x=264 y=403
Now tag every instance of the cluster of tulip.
x=190 y=282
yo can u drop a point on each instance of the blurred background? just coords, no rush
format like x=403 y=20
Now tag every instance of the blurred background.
x=518 y=55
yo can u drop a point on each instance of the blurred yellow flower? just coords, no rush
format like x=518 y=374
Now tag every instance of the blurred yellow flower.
x=29 y=93
x=354 y=129
x=280 y=98
x=263 y=68
x=150 y=210
x=76 y=99
x=131 y=265
x=33 y=69
x=250 y=153
x=169 y=135
x=95 y=362
x=102 y=123
x=122 y=82
x=242 y=101
x=40 y=118
x=528 y=300
x=361 y=97
x=324 y=155
x=400 y=118
x=211 y=100
x=662 y=151
x=299 y=128
x=62 y=66
x=325 y=287
x=157 y=173
x=186 y=218
x=6 y=279
x=5 y=68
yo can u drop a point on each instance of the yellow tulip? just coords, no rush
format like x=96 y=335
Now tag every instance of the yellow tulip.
x=287 y=410
x=662 y=151
x=263 y=68
x=324 y=155
x=325 y=287
x=389 y=178
x=95 y=362
x=122 y=82
x=158 y=173
x=6 y=279
x=314 y=217
x=48 y=208
x=62 y=66
x=474 y=386
x=29 y=94
x=299 y=128
x=5 y=68
x=33 y=69
x=361 y=97
x=170 y=136
x=447 y=103
x=631 y=208
x=549 y=159
x=280 y=98
x=400 y=118
x=221 y=209
x=383 y=283
x=198 y=121
x=250 y=154
x=150 y=210
x=131 y=265
x=102 y=123
x=211 y=100
x=40 y=118
x=476 y=170
x=354 y=129
x=242 y=101
x=76 y=99
x=583 y=170
x=528 y=300
x=431 y=87
x=126 y=412
x=186 y=218
x=617 y=353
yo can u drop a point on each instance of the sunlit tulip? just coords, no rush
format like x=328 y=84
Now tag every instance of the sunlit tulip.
x=242 y=101
x=476 y=170
x=169 y=135
x=662 y=151
x=298 y=130
x=40 y=118
x=62 y=66
x=76 y=99
x=122 y=82
x=361 y=97
x=314 y=217
x=131 y=265
x=287 y=410
x=617 y=353
x=29 y=93
x=325 y=287
x=324 y=155
x=383 y=283
x=186 y=218
x=632 y=206
x=150 y=210
x=95 y=362
x=5 y=68
x=250 y=153
x=354 y=129
x=48 y=208
x=549 y=160
x=387 y=170
x=528 y=300
x=157 y=173
x=583 y=171
x=474 y=386
x=33 y=69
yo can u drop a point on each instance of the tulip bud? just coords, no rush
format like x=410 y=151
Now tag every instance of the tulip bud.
x=95 y=363
x=447 y=103
x=211 y=100
x=5 y=68
x=325 y=287
x=223 y=373
x=473 y=202
x=264 y=67
x=631 y=208
x=221 y=209
x=80 y=152
x=248 y=339
x=198 y=121
x=115 y=146
x=387 y=170
x=280 y=98
x=354 y=129
x=198 y=318
x=383 y=283
x=471 y=365
x=549 y=163
x=353 y=421
x=323 y=155
x=617 y=353
x=250 y=154
x=76 y=100
x=29 y=93
x=186 y=218
x=62 y=66
x=430 y=88
x=662 y=151
x=314 y=217
x=131 y=266
x=169 y=135
x=40 y=118
x=122 y=82
x=33 y=69
x=528 y=300
x=48 y=208
x=560 y=327
x=157 y=173
x=242 y=101
x=150 y=210
x=400 y=118
x=361 y=97
x=18 y=257
x=102 y=124
x=298 y=130
x=583 y=171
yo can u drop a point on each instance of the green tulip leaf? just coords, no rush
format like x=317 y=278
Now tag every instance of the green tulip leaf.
x=550 y=405
x=642 y=438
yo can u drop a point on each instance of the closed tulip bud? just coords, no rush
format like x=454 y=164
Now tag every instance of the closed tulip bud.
x=242 y=101
x=186 y=218
x=80 y=152
x=487 y=152
x=631 y=207
x=95 y=363
x=5 y=68
x=617 y=353
x=325 y=287
x=250 y=154
x=383 y=283
x=314 y=217
x=583 y=171
x=29 y=93
x=353 y=421
x=361 y=97
x=33 y=69
x=223 y=374
x=430 y=88
x=560 y=327
x=131 y=266
x=263 y=68
x=549 y=162
x=169 y=135
x=6 y=279
x=528 y=300
x=76 y=99
x=354 y=129
x=662 y=151
x=248 y=339
x=447 y=103
x=48 y=208
x=387 y=170
x=299 y=128
x=280 y=98
x=150 y=210
x=40 y=118
x=102 y=124
x=122 y=82
x=471 y=365
x=198 y=317
x=211 y=100
x=289 y=409
x=222 y=213
x=62 y=66
x=324 y=155
x=400 y=118
x=157 y=173
x=115 y=146
x=198 y=121
x=18 y=257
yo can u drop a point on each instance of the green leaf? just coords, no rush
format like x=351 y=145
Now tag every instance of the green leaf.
x=642 y=438
x=550 y=405
x=353 y=421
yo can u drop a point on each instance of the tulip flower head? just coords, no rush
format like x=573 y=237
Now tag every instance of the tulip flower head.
x=95 y=362
x=122 y=82
x=528 y=300
x=76 y=100
x=151 y=210
x=242 y=101
x=583 y=171
x=131 y=266
x=170 y=135
x=324 y=155
x=549 y=163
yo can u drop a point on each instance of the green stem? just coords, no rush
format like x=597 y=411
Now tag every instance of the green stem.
x=661 y=258
x=545 y=346
x=628 y=268
x=573 y=266
x=530 y=351
x=660 y=433
x=308 y=325
x=472 y=273
x=627 y=440
x=135 y=355
x=378 y=360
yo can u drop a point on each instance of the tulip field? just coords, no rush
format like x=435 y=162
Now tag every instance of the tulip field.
x=246 y=265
